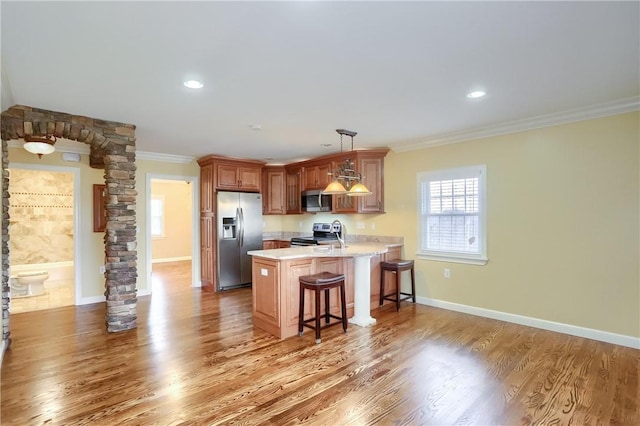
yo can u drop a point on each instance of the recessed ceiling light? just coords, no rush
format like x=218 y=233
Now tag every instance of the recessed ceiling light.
x=255 y=127
x=325 y=145
x=476 y=94
x=193 y=84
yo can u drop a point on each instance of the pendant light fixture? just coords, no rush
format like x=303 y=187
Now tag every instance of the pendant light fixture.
x=346 y=179
x=40 y=145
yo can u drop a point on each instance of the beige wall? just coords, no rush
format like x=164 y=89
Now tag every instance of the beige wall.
x=563 y=223
x=176 y=242
x=41 y=212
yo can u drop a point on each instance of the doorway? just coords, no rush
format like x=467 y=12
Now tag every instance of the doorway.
x=43 y=212
x=172 y=230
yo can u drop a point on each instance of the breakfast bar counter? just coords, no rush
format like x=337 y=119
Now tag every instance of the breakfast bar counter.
x=276 y=290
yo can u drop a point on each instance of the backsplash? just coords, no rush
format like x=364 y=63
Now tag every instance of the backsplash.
x=41 y=211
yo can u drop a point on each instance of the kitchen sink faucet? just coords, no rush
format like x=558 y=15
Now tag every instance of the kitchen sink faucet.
x=342 y=235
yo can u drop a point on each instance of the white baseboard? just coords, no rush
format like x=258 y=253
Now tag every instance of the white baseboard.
x=91 y=300
x=143 y=292
x=2 y=349
x=589 y=333
x=171 y=259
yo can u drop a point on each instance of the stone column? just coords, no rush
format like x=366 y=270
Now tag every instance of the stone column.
x=6 y=289
x=120 y=237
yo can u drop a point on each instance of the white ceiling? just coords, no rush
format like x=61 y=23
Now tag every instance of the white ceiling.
x=395 y=72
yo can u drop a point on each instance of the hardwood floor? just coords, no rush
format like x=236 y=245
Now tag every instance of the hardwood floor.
x=196 y=359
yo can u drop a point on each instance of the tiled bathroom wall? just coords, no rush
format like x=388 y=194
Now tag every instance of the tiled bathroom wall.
x=41 y=211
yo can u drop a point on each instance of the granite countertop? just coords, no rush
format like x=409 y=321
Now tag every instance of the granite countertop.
x=351 y=250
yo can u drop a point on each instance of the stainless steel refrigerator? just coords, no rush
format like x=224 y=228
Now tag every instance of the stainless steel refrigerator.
x=239 y=231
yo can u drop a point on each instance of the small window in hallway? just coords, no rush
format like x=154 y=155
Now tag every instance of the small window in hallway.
x=157 y=216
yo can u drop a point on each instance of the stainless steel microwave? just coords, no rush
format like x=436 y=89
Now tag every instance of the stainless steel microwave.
x=315 y=201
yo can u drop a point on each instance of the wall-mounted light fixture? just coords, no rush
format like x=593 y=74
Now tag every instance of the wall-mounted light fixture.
x=346 y=179
x=40 y=145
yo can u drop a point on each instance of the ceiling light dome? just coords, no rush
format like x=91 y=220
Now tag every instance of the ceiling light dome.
x=476 y=94
x=40 y=145
x=193 y=84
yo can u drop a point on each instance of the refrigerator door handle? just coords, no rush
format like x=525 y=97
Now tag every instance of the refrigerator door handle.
x=240 y=214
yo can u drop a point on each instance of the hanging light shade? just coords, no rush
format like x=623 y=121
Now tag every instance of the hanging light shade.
x=346 y=179
x=39 y=145
x=358 y=190
x=335 y=187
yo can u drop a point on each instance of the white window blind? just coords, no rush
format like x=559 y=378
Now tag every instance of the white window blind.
x=157 y=216
x=452 y=214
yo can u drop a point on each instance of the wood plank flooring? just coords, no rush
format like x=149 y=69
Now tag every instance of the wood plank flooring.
x=195 y=359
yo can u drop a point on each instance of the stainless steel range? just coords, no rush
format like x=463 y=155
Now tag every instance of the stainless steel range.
x=323 y=233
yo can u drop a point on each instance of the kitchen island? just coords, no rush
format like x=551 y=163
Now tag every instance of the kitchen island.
x=276 y=290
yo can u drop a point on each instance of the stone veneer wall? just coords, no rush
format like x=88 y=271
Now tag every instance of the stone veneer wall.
x=112 y=145
x=6 y=290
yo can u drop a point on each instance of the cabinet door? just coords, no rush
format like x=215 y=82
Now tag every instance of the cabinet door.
x=206 y=189
x=207 y=261
x=227 y=177
x=310 y=178
x=371 y=170
x=274 y=192
x=266 y=291
x=291 y=273
x=284 y=244
x=249 y=178
x=324 y=178
x=293 y=191
x=317 y=177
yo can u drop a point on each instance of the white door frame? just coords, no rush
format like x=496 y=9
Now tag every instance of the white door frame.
x=195 y=228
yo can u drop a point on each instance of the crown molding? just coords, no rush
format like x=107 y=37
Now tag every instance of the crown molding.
x=620 y=106
x=165 y=158
x=78 y=148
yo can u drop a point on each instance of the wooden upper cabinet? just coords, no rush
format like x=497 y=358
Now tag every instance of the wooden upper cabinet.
x=238 y=177
x=371 y=167
x=316 y=176
x=273 y=194
x=206 y=188
x=293 y=189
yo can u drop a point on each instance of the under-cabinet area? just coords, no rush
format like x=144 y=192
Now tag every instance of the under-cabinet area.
x=276 y=288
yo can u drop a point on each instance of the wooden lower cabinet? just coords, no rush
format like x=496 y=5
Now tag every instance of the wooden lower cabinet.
x=276 y=289
x=274 y=244
x=280 y=279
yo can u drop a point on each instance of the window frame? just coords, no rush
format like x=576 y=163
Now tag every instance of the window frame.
x=162 y=216
x=479 y=171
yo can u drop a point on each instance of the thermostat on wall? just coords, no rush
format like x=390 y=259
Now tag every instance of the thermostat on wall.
x=71 y=156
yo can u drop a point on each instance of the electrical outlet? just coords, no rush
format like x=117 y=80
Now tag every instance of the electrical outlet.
x=447 y=273
x=373 y=226
x=264 y=272
x=360 y=225
x=101 y=269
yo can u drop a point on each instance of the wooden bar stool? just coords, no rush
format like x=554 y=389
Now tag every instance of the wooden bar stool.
x=397 y=266
x=324 y=281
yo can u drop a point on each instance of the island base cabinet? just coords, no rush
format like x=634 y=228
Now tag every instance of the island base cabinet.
x=276 y=295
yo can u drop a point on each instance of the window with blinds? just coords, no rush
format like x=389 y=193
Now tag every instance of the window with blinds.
x=453 y=215
x=157 y=216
